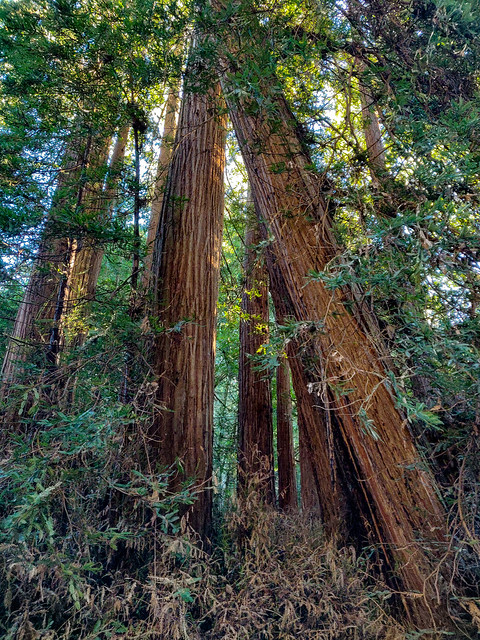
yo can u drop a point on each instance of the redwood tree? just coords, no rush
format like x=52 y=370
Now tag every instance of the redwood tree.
x=255 y=421
x=287 y=482
x=43 y=294
x=166 y=149
x=186 y=275
x=404 y=510
x=331 y=497
x=309 y=494
x=87 y=252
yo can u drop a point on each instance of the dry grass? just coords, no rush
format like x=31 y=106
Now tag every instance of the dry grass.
x=284 y=581
x=271 y=576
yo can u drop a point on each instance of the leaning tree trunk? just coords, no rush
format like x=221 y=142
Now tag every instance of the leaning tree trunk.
x=88 y=252
x=33 y=323
x=255 y=419
x=287 y=481
x=186 y=272
x=405 y=513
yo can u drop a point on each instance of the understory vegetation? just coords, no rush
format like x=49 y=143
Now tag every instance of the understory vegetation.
x=92 y=548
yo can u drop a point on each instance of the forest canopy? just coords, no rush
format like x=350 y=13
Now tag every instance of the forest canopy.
x=240 y=319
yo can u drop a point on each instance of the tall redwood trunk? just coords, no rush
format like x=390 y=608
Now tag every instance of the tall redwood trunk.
x=405 y=513
x=255 y=419
x=166 y=149
x=186 y=272
x=287 y=481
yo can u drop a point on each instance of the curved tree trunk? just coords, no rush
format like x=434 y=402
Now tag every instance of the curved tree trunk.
x=255 y=419
x=186 y=273
x=405 y=513
x=287 y=481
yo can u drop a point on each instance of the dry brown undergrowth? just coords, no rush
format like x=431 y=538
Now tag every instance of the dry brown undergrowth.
x=272 y=576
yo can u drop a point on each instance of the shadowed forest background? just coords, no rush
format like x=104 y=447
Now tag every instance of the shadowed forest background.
x=240 y=319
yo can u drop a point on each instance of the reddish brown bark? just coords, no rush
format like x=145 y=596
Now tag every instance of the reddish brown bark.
x=166 y=149
x=308 y=483
x=405 y=514
x=255 y=419
x=312 y=416
x=287 y=481
x=186 y=272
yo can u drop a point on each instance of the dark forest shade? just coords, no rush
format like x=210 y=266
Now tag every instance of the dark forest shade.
x=255 y=418
x=287 y=482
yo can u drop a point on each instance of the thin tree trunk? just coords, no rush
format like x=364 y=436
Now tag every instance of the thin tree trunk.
x=255 y=417
x=371 y=129
x=287 y=481
x=186 y=272
x=87 y=253
x=406 y=516
x=128 y=383
x=33 y=323
x=166 y=149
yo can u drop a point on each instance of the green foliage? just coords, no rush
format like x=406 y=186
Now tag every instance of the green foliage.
x=93 y=547
x=75 y=512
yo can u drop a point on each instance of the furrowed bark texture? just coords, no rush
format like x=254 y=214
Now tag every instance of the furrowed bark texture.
x=406 y=516
x=187 y=267
x=255 y=417
x=164 y=158
x=33 y=323
x=308 y=482
x=287 y=482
